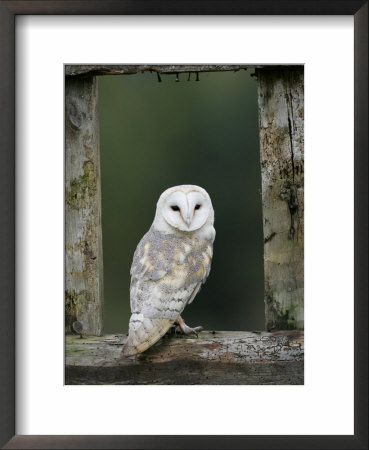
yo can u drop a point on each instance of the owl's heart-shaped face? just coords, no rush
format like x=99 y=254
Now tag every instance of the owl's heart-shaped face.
x=185 y=208
x=187 y=212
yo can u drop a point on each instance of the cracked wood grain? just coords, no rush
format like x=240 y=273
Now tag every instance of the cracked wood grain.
x=83 y=235
x=281 y=133
x=218 y=357
x=129 y=69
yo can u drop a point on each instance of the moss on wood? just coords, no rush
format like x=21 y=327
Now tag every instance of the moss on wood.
x=81 y=188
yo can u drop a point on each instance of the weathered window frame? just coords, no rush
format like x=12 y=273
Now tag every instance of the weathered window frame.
x=281 y=136
x=281 y=126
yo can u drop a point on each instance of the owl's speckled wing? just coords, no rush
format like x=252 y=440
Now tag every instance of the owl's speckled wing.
x=167 y=272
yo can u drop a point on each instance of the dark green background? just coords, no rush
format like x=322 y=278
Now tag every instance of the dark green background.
x=157 y=135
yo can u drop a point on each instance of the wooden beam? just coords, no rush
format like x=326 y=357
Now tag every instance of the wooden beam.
x=83 y=235
x=129 y=69
x=215 y=357
x=281 y=123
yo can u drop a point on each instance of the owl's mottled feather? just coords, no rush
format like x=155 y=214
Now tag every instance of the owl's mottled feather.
x=166 y=273
x=170 y=264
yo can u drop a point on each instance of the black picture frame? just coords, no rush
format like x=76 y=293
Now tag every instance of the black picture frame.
x=8 y=12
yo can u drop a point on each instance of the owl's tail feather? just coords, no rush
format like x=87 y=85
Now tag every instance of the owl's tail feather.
x=142 y=335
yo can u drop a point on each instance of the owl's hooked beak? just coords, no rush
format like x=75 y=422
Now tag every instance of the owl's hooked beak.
x=188 y=218
x=188 y=213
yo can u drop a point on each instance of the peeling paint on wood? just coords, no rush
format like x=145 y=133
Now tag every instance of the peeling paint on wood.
x=281 y=123
x=83 y=237
x=215 y=357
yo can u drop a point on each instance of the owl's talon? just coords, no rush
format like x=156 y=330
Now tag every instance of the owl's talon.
x=185 y=329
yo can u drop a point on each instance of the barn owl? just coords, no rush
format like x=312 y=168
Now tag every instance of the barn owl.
x=170 y=264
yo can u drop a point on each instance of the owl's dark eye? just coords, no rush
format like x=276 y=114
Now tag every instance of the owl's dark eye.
x=197 y=206
x=175 y=208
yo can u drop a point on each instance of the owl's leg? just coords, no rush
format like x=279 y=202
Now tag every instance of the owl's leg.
x=186 y=329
